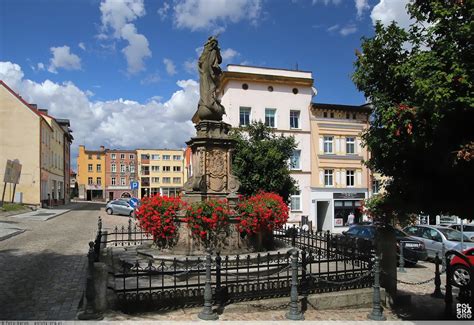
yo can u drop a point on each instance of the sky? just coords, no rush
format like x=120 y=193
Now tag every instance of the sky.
x=124 y=71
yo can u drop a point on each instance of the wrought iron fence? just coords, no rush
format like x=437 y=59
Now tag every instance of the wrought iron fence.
x=326 y=262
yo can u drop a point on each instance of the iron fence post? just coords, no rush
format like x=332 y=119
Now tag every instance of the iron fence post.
x=377 y=311
x=129 y=229
x=401 y=261
x=218 y=279
x=294 y=313
x=437 y=292
x=293 y=236
x=89 y=312
x=443 y=257
x=448 y=296
x=98 y=239
x=207 y=313
x=304 y=282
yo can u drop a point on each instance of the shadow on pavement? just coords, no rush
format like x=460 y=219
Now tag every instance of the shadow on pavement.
x=40 y=286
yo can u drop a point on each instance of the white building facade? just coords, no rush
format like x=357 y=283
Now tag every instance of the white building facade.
x=282 y=100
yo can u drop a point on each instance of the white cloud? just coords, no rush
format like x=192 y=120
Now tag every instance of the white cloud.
x=361 y=6
x=118 y=123
x=229 y=54
x=391 y=10
x=333 y=28
x=326 y=2
x=40 y=66
x=214 y=14
x=163 y=11
x=348 y=29
x=82 y=46
x=190 y=66
x=170 y=67
x=63 y=58
x=118 y=16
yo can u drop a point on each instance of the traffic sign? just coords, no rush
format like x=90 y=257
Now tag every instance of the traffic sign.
x=134 y=185
x=133 y=202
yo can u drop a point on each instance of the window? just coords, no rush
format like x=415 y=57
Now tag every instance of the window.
x=332 y=115
x=122 y=168
x=166 y=168
x=296 y=201
x=295 y=160
x=145 y=157
x=99 y=168
x=176 y=168
x=350 y=145
x=354 y=116
x=350 y=176
x=270 y=88
x=328 y=144
x=348 y=116
x=295 y=119
x=90 y=157
x=155 y=157
x=270 y=117
x=245 y=86
x=113 y=156
x=176 y=157
x=122 y=156
x=155 y=168
x=328 y=177
x=295 y=91
x=99 y=180
x=155 y=179
x=375 y=186
x=122 y=181
x=325 y=114
x=89 y=167
x=166 y=180
x=131 y=157
x=176 y=180
x=132 y=168
x=166 y=157
x=113 y=181
x=114 y=168
x=244 y=116
x=89 y=181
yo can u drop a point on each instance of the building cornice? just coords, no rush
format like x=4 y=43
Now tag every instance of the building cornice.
x=263 y=78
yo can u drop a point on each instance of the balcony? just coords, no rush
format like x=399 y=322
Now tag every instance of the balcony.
x=146 y=172
x=145 y=182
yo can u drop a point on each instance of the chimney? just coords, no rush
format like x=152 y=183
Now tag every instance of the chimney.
x=35 y=106
x=45 y=111
x=102 y=148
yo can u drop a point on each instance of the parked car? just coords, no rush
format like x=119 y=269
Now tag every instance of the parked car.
x=414 y=250
x=468 y=229
x=435 y=236
x=461 y=274
x=119 y=207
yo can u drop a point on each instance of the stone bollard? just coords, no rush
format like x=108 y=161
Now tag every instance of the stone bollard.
x=437 y=292
x=377 y=311
x=401 y=261
x=294 y=313
x=89 y=312
x=207 y=313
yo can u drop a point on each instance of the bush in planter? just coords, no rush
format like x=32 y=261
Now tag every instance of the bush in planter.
x=262 y=212
x=208 y=221
x=157 y=217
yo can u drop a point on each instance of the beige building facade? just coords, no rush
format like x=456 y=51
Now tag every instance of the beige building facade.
x=339 y=178
x=91 y=174
x=160 y=171
x=37 y=140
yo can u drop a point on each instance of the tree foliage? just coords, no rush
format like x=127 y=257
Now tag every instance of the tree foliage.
x=261 y=161
x=420 y=84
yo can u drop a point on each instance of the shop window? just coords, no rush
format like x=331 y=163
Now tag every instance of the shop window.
x=296 y=201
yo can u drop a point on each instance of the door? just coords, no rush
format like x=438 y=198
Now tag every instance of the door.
x=111 y=196
x=433 y=241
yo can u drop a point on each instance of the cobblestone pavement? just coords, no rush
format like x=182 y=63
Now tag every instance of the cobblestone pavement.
x=42 y=271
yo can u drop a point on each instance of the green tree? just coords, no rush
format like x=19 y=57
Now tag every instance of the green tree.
x=419 y=81
x=261 y=160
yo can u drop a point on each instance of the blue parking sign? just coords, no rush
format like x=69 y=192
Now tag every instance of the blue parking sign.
x=134 y=185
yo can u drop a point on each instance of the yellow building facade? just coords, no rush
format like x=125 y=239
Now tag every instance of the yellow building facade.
x=339 y=178
x=91 y=173
x=160 y=171
x=37 y=140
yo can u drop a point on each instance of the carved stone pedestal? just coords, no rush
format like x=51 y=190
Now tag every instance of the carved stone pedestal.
x=211 y=164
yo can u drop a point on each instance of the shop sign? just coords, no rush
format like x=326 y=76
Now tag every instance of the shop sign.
x=349 y=195
x=338 y=222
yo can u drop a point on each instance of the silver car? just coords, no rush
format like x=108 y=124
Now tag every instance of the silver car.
x=119 y=207
x=435 y=236
x=468 y=229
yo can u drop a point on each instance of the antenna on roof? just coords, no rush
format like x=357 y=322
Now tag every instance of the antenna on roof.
x=296 y=66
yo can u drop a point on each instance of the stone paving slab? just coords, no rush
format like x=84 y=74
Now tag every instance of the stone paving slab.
x=41 y=214
x=7 y=230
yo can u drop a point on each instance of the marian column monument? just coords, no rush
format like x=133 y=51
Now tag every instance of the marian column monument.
x=211 y=148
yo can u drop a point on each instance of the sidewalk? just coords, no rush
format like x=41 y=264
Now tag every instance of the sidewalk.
x=42 y=214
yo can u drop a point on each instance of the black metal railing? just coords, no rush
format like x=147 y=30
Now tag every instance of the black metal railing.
x=326 y=262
